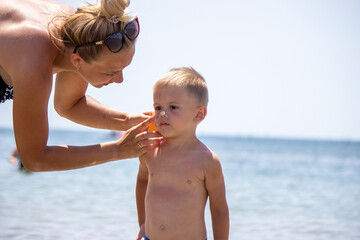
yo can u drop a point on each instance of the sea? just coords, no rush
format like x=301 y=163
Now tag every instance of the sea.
x=290 y=189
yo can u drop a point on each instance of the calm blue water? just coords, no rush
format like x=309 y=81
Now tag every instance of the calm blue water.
x=276 y=189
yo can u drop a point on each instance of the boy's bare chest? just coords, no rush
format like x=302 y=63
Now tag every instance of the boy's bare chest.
x=176 y=170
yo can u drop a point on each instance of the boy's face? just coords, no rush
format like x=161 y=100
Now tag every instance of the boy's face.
x=176 y=111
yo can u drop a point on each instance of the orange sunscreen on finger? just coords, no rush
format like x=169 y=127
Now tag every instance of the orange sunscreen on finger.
x=152 y=128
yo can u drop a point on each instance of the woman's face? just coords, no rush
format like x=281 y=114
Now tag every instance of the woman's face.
x=108 y=68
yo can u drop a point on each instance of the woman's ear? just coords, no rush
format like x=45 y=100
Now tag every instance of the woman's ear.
x=75 y=60
x=200 y=114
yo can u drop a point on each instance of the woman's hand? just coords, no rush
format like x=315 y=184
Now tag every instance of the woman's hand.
x=137 y=141
x=135 y=119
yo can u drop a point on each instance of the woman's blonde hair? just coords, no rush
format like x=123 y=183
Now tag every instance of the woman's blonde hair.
x=91 y=23
x=188 y=78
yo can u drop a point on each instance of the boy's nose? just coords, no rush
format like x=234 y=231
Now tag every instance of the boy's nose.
x=163 y=114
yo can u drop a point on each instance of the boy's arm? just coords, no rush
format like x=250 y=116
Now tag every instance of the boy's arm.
x=215 y=185
x=141 y=185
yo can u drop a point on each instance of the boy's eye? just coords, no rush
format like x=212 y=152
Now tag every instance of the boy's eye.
x=172 y=107
x=157 y=108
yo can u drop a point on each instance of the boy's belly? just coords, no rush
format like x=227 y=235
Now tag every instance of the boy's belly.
x=174 y=214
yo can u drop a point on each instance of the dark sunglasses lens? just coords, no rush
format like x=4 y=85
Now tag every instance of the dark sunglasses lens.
x=132 y=30
x=114 y=42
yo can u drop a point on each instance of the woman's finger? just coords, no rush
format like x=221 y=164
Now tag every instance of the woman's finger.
x=143 y=125
x=149 y=113
x=148 y=139
x=145 y=139
x=146 y=135
x=149 y=142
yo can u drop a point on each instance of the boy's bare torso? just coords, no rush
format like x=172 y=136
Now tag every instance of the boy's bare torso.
x=176 y=195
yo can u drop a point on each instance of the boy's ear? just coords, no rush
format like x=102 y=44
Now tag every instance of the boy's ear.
x=201 y=114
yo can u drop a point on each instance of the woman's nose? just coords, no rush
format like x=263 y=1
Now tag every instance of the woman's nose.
x=118 y=78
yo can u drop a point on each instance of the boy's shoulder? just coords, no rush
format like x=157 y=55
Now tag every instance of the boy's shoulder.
x=211 y=162
x=208 y=155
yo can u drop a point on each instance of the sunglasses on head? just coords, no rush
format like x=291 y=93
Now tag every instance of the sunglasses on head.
x=115 y=41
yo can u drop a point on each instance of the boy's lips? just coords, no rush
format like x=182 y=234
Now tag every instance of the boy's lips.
x=164 y=124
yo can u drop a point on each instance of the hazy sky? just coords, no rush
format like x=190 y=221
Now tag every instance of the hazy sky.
x=274 y=68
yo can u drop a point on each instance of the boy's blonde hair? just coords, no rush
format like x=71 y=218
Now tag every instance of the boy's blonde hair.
x=91 y=23
x=188 y=78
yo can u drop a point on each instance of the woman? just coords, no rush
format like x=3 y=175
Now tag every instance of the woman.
x=39 y=38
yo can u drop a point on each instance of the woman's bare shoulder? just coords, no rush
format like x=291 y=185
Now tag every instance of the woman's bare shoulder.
x=21 y=10
x=25 y=37
x=26 y=46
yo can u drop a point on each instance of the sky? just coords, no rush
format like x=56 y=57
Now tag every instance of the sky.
x=288 y=69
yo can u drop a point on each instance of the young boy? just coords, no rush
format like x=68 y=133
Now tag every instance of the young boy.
x=175 y=180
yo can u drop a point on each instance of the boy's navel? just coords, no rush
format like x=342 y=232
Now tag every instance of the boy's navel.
x=188 y=181
x=151 y=174
x=162 y=227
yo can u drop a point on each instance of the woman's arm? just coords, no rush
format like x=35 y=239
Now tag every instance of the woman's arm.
x=30 y=103
x=71 y=102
